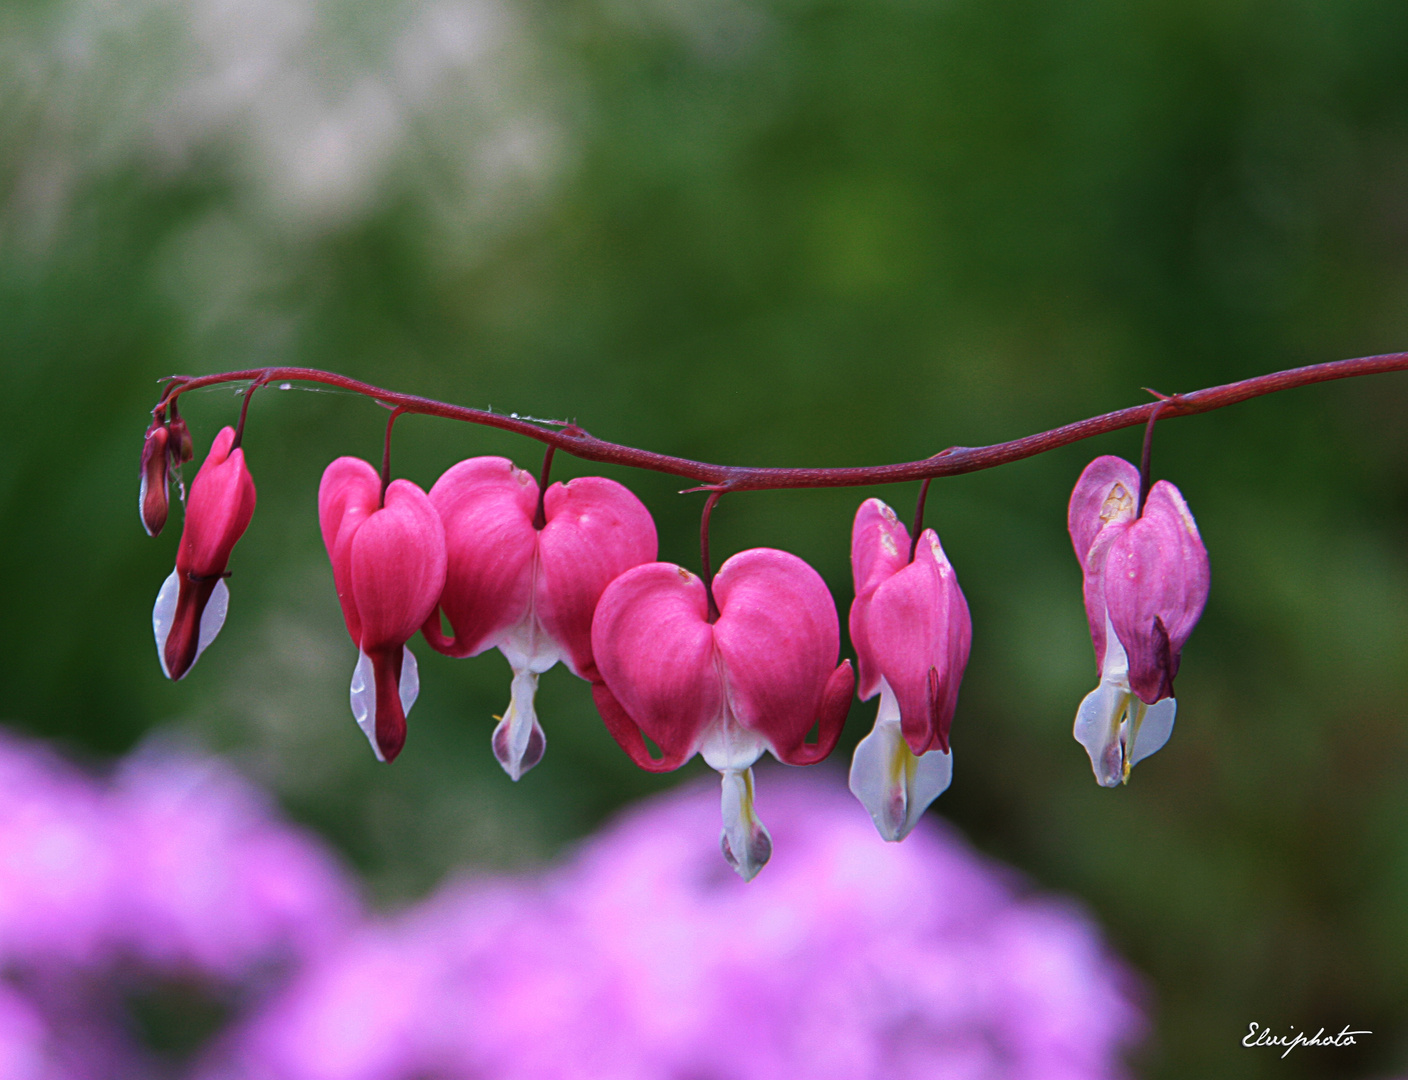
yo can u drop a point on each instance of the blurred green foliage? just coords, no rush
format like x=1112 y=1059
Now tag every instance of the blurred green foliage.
x=773 y=232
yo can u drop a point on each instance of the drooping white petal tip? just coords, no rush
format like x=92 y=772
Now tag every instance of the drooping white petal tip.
x=363 y=698
x=363 y=693
x=164 y=617
x=1153 y=730
x=518 y=740
x=1118 y=730
x=890 y=780
x=744 y=840
x=213 y=617
x=1097 y=729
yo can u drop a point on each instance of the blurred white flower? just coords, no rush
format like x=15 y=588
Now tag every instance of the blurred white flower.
x=310 y=110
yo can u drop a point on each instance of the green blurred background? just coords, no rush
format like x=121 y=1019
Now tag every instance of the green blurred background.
x=778 y=232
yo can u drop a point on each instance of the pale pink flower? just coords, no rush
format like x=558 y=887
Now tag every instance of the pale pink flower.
x=1146 y=581
x=912 y=634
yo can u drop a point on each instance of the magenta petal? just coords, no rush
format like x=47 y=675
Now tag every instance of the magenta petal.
x=879 y=545
x=349 y=493
x=152 y=498
x=1107 y=491
x=398 y=570
x=183 y=644
x=654 y=649
x=389 y=565
x=1093 y=589
x=879 y=549
x=596 y=530
x=1156 y=583
x=487 y=507
x=1103 y=504
x=627 y=733
x=390 y=713
x=778 y=638
x=920 y=633
x=218 y=510
x=831 y=719
x=1166 y=505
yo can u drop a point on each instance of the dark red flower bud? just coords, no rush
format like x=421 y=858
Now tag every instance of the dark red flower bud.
x=190 y=609
x=153 y=499
x=182 y=447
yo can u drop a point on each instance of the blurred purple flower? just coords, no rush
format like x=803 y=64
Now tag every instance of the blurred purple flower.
x=641 y=957
x=646 y=957
x=214 y=883
x=176 y=869
x=56 y=860
x=27 y=1049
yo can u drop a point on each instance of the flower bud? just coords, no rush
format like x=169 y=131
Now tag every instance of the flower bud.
x=190 y=609
x=153 y=498
x=182 y=447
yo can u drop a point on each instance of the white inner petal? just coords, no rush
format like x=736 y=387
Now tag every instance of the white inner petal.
x=527 y=646
x=1098 y=730
x=926 y=778
x=744 y=840
x=1116 y=662
x=1117 y=729
x=364 y=700
x=213 y=617
x=363 y=693
x=1153 y=731
x=410 y=680
x=727 y=744
x=163 y=615
x=891 y=782
x=519 y=741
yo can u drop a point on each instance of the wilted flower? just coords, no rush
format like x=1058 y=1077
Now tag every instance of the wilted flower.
x=529 y=585
x=388 y=564
x=1146 y=581
x=911 y=630
x=191 y=606
x=756 y=679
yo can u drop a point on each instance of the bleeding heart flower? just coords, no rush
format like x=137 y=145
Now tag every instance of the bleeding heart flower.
x=912 y=632
x=1146 y=581
x=756 y=679
x=388 y=563
x=529 y=587
x=191 y=606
